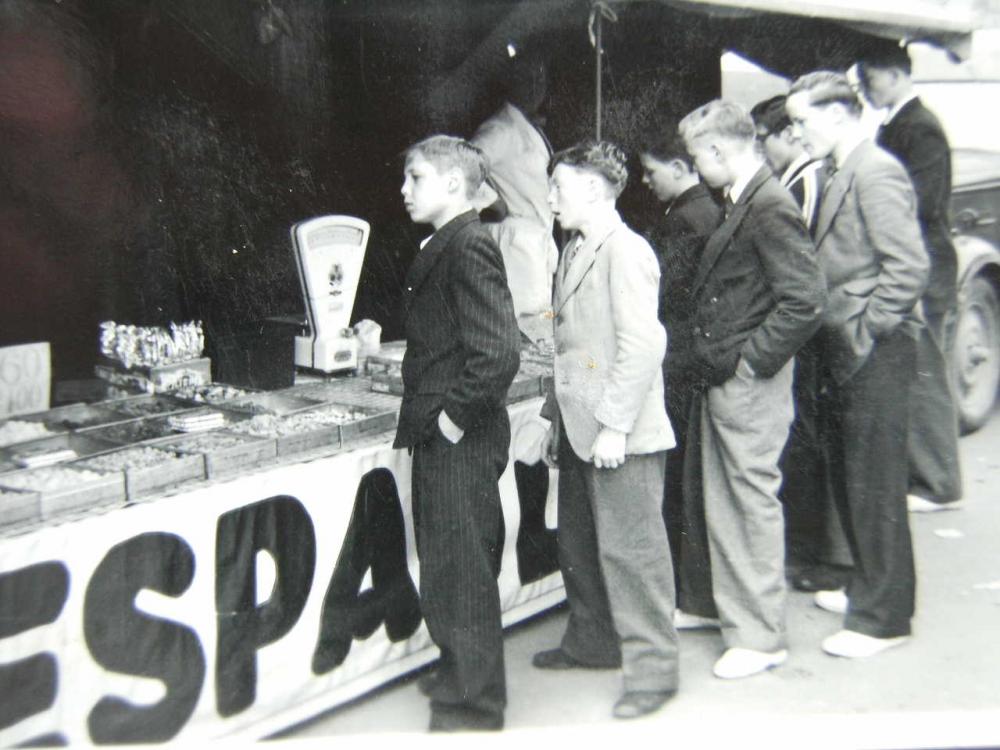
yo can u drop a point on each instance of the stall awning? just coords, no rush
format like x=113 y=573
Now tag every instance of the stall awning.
x=947 y=23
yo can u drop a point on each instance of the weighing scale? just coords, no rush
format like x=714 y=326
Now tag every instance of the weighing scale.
x=329 y=252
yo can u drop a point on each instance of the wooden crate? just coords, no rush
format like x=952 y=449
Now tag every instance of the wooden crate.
x=371 y=424
x=108 y=489
x=245 y=455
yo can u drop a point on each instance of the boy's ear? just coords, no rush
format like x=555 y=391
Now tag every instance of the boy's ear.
x=678 y=168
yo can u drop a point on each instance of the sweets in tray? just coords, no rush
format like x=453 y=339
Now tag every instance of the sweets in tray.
x=147 y=406
x=55 y=449
x=19 y=431
x=275 y=403
x=64 y=488
x=148 y=468
x=329 y=426
x=212 y=393
x=224 y=452
x=74 y=417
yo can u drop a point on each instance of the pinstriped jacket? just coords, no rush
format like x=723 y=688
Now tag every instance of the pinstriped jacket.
x=462 y=340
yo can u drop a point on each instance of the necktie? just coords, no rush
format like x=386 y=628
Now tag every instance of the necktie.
x=728 y=207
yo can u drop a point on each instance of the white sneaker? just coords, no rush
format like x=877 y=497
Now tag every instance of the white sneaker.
x=832 y=601
x=744 y=662
x=853 y=645
x=686 y=621
x=917 y=504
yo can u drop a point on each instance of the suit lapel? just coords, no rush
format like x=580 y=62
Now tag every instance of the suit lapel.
x=570 y=277
x=429 y=254
x=837 y=189
x=719 y=239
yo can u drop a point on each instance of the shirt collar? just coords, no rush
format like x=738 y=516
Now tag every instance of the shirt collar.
x=792 y=169
x=741 y=182
x=898 y=106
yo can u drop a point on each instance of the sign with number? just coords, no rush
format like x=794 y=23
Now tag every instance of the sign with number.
x=25 y=376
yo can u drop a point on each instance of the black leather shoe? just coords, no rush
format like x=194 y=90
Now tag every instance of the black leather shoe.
x=556 y=658
x=464 y=721
x=641 y=702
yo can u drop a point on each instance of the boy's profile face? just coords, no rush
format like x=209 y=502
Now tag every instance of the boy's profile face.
x=878 y=85
x=572 y=193
x=429 y=195
x=663 y=178
x=709 y=162
x=816 y=127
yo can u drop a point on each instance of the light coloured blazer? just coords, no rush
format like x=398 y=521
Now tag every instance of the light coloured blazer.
x=610 y=343
x=869 y=245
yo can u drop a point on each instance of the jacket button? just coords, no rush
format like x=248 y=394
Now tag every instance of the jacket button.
x=708 y=334
x=714 y=300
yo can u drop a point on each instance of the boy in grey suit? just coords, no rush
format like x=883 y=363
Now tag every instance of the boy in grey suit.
x=869 y=245
x=610 y=435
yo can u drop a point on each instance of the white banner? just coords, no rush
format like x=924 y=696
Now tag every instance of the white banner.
x=240 y=607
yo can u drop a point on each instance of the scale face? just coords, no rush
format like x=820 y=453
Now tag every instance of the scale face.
x=329 y=252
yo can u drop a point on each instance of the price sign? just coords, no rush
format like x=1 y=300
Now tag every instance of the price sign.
x=25 y=377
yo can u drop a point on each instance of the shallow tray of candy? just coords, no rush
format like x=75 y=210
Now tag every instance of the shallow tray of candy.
x=65 y=488
x=155 y=429
x=66 y=446
x=387 y=382
x=19 y=506
x=329 y=426
x=147 y=406
x=212 y=393
x=19 y=430
x=388 y=360
x=225 y=452
x=148 y=468
x=74 y=417
x=276 y=403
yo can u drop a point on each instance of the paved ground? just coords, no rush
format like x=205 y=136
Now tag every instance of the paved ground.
x=940 y=690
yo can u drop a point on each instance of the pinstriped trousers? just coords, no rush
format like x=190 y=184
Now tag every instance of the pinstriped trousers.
x=459 y=527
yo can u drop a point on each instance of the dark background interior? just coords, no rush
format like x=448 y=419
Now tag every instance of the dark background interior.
x=154 y=153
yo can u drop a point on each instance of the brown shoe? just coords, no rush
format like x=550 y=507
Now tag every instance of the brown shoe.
x=638 y=703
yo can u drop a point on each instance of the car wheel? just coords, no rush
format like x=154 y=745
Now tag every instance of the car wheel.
x=975 y=356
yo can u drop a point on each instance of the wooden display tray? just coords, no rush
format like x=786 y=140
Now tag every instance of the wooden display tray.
x=144 y=480
x=19 y=506
x=108 y=490
x=82 y=444
x=324 y=437
x=373 y=423
x=74 y=417
x=278 y=403
x=143 y=406
x=250 y=452
x=382 y=383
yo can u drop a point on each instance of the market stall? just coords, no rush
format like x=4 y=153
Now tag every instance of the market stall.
x=235 y=580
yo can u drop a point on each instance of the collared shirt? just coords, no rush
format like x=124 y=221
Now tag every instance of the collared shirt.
x=794 y=168
x=897 y=107
x=741 y=182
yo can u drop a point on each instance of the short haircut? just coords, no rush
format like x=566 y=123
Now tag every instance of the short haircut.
x=887 y=56
x=718 y=117
x=447 y=152
x=668 y=148
x=602 y=158
x=771 y=115
x=827 y=87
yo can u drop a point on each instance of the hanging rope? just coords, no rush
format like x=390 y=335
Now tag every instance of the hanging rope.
x=599 y=10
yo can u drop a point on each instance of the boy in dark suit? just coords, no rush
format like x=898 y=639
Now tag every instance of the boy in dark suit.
x=678 y=238
x=912 y=134
x=816 y=552
x=461 y=356
x=869 y=246
x=758 y=297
